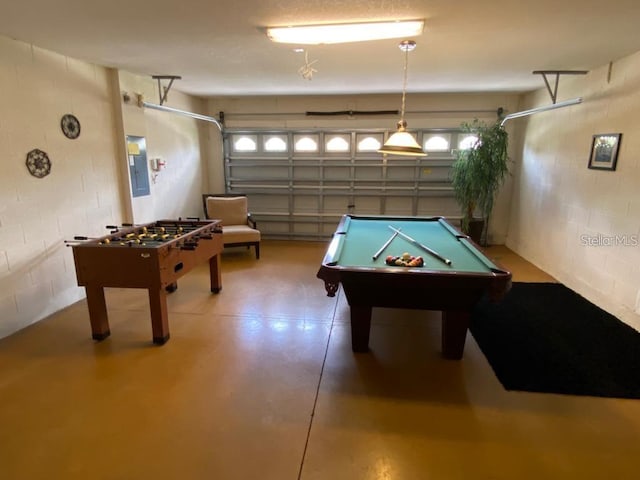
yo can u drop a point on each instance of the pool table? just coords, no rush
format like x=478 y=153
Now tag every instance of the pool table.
x=453 y=288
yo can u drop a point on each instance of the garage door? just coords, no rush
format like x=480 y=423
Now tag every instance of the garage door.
x=300 y=182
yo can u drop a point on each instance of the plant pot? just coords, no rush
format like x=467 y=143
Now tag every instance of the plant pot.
x=476 y=226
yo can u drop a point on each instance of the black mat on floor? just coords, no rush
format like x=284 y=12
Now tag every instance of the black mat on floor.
x=544 y=337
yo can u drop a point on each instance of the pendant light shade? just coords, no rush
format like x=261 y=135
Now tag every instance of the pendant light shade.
x=402 y=142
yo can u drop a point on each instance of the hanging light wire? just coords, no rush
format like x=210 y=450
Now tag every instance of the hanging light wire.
x=402 y=142
x=406 y=46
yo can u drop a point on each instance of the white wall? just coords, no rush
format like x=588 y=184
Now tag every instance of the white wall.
x=37 y=87
x=558 y=202
x=181 y=142
x=88 y=187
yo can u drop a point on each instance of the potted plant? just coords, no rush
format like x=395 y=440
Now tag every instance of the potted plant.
x=478 y=173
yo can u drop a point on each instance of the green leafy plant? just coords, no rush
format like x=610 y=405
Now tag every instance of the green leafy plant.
x=478 y=172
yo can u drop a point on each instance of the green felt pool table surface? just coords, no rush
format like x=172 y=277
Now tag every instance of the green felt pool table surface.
x=364 y=236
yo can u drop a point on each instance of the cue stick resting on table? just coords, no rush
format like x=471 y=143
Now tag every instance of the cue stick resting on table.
x=386 y=244
x=423 y=247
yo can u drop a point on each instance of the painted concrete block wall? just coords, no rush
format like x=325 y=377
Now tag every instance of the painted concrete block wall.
x=182 y=143
x=37 y=87
x=582 y=225
x=179 y=141
x=88 y=186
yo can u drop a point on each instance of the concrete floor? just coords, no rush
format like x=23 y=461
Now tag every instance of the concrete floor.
x=259 y=382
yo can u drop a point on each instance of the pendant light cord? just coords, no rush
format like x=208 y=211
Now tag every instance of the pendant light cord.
x=402 y=142
x=406 y=46
x=404 y=83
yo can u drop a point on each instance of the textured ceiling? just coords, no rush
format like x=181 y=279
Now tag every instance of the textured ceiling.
x=219 y=47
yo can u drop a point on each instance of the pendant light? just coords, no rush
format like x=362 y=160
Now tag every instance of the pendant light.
x=402 y=142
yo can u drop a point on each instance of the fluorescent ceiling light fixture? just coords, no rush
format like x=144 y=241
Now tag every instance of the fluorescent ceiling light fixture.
x=345 y=32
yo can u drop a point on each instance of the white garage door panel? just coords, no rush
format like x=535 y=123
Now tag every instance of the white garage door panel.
x=259 y=204
x=300 y=173
x=399 y=205
x=401 y=173
x=367 y=205
x=367 y=173
x=337 y=173
x=257 y=172
x=306 y=204
x=437 y=206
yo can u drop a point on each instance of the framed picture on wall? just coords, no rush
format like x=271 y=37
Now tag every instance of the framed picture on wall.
x=604 y=151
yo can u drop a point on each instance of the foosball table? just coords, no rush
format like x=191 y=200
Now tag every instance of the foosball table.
x=151 y=256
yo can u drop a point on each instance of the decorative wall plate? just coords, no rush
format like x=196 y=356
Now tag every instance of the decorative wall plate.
x=70 y=126
x=38 y=163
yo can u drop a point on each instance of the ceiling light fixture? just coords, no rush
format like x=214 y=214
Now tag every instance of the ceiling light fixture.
x=402 y=142
x=345 y=32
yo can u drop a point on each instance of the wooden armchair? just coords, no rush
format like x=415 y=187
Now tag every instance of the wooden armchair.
x=238 y=228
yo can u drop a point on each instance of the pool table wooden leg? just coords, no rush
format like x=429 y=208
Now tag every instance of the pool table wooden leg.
x=454 y=333
x=360 y=327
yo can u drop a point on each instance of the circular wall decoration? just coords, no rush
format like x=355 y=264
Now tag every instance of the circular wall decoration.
x=38 y=163
x=70 y=126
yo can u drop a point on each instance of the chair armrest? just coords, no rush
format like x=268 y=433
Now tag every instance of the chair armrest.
x=251 y=222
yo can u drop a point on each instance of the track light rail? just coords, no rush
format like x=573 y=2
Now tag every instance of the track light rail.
x=197 y=116
x=525 y=113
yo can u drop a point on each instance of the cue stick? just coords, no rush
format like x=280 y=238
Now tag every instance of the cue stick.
x=386 y=244
x=424 y=247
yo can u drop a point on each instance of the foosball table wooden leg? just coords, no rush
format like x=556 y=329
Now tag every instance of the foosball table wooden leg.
x=159 y=315
x=97 y=312
x=215 y=272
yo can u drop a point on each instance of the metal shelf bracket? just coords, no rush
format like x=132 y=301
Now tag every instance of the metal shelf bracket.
x=164 y=91
x=554 y=93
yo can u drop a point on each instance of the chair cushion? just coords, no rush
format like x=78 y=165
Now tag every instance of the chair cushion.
x=231 y=210
x=239 y=234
